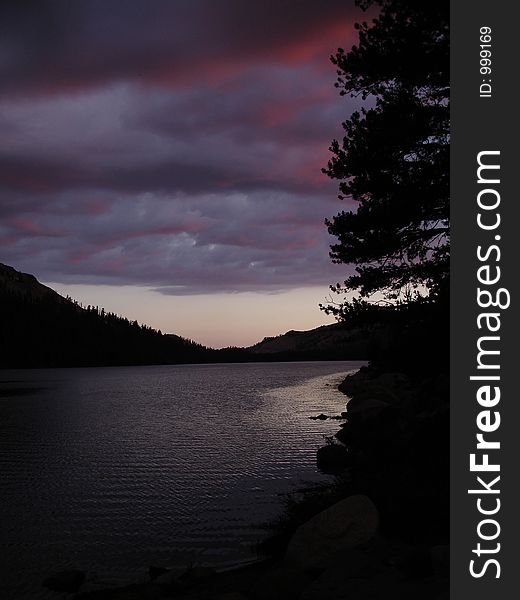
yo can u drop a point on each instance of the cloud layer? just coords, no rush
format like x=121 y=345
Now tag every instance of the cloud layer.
x=176 y=145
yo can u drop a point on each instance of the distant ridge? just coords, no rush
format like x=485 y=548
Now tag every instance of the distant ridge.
x=327 y=339
x=41 y=328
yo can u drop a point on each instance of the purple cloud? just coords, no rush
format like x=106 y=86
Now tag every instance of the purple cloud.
x=176 y=145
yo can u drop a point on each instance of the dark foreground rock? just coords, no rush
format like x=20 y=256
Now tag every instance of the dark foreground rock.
x=345 y=525
x=332 y=457
x=397 y=436
x=338 y=554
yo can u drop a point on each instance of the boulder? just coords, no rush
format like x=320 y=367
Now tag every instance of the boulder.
x=345 y=434
x=366 y=407
x=393 y=388
x=393 y=382
x=341 y=527
x=320 y=417
x=332 y=458
x=65 y=581
x=353 y=384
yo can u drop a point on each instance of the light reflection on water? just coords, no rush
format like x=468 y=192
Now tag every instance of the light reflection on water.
x=110 y=470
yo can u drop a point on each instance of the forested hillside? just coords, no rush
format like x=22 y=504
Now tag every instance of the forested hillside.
x=38 y=327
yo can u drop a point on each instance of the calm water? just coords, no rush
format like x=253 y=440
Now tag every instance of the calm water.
x=110 y=470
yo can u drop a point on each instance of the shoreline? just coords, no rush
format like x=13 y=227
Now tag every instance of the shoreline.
x=379 y=406
x=248 y=421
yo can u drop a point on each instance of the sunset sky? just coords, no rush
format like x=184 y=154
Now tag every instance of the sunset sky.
x=162 y=158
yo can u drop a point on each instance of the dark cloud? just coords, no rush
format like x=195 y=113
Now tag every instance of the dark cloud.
x=170 y=144
x=60 y=46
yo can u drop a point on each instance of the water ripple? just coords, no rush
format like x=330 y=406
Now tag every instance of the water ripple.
x=109 y=470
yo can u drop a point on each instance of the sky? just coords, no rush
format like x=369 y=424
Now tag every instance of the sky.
x=163 y=158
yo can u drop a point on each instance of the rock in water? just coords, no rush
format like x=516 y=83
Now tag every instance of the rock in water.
x=65 y=581
x=339 y=528
x=365 y=407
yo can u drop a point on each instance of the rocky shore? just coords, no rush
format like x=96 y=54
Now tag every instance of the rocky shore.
x=383 y=532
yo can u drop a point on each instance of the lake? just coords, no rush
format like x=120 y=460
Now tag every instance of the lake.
x=110 y=470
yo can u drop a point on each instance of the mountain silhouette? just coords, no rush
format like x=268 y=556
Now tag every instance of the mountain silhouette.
x=41 y=328
x=327 y=339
